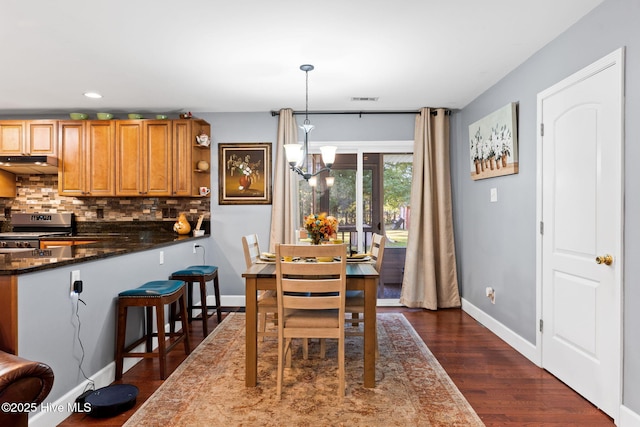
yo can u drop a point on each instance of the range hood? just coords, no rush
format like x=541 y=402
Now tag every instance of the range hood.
x=29 y=164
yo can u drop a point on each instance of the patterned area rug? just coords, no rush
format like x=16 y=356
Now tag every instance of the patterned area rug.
x=207 y=389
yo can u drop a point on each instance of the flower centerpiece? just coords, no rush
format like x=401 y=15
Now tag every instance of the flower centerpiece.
x=320 y=226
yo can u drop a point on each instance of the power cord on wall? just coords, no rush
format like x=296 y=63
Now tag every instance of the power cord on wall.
x=91 y=384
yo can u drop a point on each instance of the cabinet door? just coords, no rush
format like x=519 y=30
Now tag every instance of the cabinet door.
x=100 y=157
x=42 y=137
x=130 y=169
x=7 y=184
x=11 y=137
x=159 y=157
x=182 y=164
x=71 y=170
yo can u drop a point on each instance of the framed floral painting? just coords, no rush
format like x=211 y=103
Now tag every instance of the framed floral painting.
x=244 y=173
x=494 y=144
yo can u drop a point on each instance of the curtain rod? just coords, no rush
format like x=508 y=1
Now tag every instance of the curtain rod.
x=360 y=113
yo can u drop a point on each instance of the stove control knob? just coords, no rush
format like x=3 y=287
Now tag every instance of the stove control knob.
x=27 y=244
x=19 y=244
x=4 y=244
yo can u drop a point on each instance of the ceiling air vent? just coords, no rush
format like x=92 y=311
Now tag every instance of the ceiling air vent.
x=364 y=98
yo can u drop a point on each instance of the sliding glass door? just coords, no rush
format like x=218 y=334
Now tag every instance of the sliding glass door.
x=370 y=194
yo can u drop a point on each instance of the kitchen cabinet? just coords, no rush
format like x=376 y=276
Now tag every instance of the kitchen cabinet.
x=187 y=178
x=41 y=137
x=7 y=184
x=144 y=158
x=87 y=158
x=34 y=137
x=126 y=158
x=11 y=137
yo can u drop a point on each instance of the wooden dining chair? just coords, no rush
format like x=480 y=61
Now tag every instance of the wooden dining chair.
x=267 y=304
x=311 y=300
x=355 y=299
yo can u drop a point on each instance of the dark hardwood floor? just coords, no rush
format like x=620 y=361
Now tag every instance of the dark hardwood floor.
x=503 y=387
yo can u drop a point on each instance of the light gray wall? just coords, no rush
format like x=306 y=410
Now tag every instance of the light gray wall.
x=496 y=241
x=230 y=222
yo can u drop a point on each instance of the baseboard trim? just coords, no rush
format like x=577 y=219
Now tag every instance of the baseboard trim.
x=628 y=418
x=521 y=345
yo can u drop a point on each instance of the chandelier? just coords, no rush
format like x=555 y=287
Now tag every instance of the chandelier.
x=297 y=154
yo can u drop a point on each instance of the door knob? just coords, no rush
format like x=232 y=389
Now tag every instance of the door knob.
x=604 y=259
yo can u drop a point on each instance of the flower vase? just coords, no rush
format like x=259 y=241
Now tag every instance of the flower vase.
x=245 y=182
x=316 y=239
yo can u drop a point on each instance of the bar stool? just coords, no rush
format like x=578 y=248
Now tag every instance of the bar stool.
x=201 y=274
x=152 y=294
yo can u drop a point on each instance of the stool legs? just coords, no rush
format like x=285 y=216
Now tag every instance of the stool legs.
x=162 y=350
x=202 y=281
x=120 y=337
x=149 y=304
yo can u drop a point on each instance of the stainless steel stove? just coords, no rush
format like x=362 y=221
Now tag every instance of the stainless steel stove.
x=29 y=228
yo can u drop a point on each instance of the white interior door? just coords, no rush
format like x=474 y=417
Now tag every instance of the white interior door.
x=581 y=176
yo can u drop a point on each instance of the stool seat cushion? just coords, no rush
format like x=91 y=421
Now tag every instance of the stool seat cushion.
x=156 y=288
x=196 y=270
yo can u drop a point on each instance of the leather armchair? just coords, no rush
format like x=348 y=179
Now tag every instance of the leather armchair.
x=22 y=381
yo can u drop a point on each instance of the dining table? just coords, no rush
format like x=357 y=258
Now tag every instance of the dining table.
x=361 y=276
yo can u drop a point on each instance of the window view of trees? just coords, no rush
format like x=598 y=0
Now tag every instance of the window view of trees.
x=340 y=199
x=385 y=199
x=397 y=172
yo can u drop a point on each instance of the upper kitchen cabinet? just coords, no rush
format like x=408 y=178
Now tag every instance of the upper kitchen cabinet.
x=42 y=137
x=87 y=158
x=144 y=158
x=12 y=137
x=33 y=137
x=187 y=177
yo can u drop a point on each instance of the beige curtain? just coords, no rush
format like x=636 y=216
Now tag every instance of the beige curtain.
x=430 y=280
x=285 y=194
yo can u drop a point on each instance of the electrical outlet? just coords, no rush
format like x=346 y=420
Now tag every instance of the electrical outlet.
x=491 y=294
x=161 y=257
x=494 y=195
x=75 y=276
x=195 y=245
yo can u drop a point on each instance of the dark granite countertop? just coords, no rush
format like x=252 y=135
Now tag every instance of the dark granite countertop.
x=106 y=245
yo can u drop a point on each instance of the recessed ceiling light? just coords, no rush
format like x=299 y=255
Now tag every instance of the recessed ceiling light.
x=94 y=95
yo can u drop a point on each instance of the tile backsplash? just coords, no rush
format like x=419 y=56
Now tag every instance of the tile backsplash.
x=39 y=193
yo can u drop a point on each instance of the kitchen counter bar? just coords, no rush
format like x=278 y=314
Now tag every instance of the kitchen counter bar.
x=104 y=245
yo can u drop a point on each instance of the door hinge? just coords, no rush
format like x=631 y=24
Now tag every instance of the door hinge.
x=541 y=227
x=541 y=325
x=541 y=129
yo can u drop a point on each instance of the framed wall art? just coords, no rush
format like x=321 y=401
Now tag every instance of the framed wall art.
x=244 y=173
x=494 y=144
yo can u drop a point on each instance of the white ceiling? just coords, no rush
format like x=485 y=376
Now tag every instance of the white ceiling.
x=244 y=55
